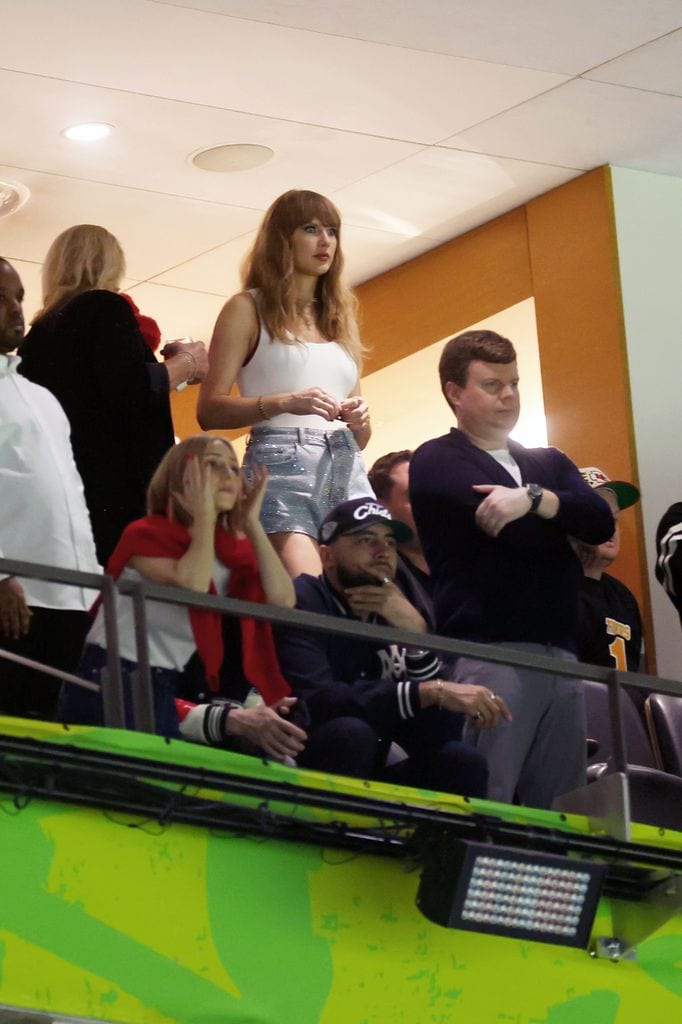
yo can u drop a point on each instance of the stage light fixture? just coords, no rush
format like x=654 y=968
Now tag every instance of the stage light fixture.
x=502 y=891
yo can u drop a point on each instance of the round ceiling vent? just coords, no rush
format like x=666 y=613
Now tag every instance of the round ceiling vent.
x=13 y=195
x=238 y=157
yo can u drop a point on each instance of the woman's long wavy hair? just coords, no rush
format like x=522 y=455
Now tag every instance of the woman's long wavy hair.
x=269 y=267
x=168 y=482
x=82 y=258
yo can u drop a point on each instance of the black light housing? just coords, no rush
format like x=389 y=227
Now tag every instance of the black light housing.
x=500 y=890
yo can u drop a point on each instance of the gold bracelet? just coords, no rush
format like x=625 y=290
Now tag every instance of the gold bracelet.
x=439 y=694
x=261 y=408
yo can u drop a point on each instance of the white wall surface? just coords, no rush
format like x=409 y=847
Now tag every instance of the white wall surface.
x=648 y=210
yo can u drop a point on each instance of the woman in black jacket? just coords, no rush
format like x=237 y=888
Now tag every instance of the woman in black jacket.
x=87 y=348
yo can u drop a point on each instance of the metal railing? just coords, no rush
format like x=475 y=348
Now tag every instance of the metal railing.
x=143 y=591
x=112 y=692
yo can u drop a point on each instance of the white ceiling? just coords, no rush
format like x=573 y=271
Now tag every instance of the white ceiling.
x=420 y=118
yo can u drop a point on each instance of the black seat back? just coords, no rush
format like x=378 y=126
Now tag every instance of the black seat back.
x=664 y=718
x=637 y=746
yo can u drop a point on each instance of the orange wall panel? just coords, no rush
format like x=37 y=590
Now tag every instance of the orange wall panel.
x=585 y=379
x=445 y=290
x=184 y=409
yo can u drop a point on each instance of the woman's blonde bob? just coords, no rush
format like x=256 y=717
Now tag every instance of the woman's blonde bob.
x=81 y=259
x=269 y=267
x=168 y=481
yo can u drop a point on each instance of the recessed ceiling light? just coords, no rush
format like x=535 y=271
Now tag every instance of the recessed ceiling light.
x=13 y=195
x=87 y=132
x=237 y=157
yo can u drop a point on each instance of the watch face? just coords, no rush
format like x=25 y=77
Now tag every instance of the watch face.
x=534 y=492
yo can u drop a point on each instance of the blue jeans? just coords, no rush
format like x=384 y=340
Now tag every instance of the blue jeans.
x=78 y=706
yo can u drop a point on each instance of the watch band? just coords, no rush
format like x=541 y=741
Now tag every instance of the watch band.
x=534 y=492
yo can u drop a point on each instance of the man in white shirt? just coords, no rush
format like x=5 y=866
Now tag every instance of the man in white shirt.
x=43 y=519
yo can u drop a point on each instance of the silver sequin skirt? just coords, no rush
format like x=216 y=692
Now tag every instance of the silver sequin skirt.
x=310 y=471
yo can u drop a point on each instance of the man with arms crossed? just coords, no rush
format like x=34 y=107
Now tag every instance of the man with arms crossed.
x=494 y=519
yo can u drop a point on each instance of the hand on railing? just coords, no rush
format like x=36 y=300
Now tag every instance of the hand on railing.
x=15 y=614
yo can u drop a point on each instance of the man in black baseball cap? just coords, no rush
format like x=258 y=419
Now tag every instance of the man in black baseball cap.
x=363 y=695
x=355 y=515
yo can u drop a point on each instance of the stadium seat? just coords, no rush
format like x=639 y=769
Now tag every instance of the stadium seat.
x=655 y=796
x=664 y=719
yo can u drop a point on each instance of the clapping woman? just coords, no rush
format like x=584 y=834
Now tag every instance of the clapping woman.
x=290 y=342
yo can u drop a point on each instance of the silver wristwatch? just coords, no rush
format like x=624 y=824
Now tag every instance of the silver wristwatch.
x=534 y=492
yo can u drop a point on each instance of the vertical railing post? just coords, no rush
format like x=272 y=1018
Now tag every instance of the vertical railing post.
x=619 y=756
x=112 y=689
x=143 y=703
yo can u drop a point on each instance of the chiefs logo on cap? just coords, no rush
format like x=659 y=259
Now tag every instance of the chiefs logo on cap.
x=371 y=508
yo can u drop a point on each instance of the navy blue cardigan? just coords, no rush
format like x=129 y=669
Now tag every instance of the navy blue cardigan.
x=521 y=586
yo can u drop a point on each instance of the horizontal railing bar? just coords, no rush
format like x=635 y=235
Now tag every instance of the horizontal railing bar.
x=390 y=634
x=496 y=654
x=49 y=671
x=32 y=570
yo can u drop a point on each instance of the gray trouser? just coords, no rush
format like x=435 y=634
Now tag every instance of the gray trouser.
x=542 y=753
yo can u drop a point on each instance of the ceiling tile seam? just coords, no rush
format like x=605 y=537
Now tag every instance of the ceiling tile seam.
x=214 y=106
x=507 y=110
x=135 y=188
x=633 y=88
x=397 y=46
x=199 y=255
x=500 y=156
x=627 y=53
x=178 y=288
x=443 y=149
x=191 y=199
x=532 y=99
x=380 y=170
x=518 y=159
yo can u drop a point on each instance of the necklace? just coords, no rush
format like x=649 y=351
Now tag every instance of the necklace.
x=306 y=312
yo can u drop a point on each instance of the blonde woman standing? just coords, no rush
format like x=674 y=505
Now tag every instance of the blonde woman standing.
x=87 y=348
x=290 y=342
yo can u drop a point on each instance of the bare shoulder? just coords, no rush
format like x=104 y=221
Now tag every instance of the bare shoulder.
x=237 y=324
x=240 y=309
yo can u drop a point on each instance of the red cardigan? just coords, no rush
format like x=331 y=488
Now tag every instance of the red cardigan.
x=160 y=537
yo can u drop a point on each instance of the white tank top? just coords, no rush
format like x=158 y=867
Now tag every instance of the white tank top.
x=276 y=366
